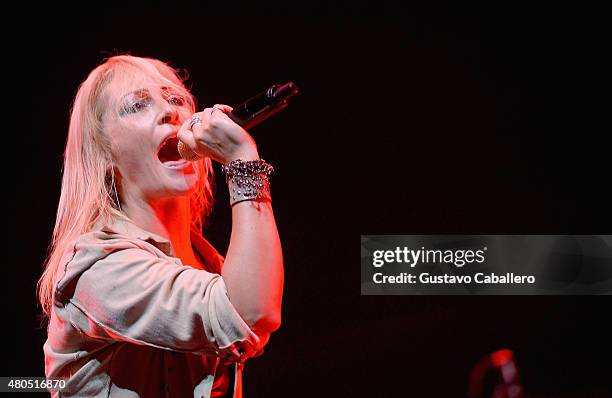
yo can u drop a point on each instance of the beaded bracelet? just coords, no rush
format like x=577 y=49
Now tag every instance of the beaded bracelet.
x=248 y=180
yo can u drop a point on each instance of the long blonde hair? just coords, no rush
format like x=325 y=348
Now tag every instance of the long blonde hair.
x=88 y=193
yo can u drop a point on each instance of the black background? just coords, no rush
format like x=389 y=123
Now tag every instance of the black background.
x=454 y=120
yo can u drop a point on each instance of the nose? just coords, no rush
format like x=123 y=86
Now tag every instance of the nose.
x=170 y=116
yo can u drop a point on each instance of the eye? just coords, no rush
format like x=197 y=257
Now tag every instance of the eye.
x=136 y=106
x=176 y=100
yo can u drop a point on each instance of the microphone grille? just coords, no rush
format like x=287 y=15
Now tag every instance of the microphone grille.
x=186 y=153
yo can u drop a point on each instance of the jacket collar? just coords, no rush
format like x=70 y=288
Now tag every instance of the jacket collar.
x=124 y=226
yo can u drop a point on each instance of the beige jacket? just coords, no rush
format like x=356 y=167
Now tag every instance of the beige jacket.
x=130 y=320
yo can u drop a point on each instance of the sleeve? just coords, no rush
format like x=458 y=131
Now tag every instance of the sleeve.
x=131 y=295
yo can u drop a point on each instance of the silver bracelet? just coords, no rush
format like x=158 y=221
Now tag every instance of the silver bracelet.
x=248 y=180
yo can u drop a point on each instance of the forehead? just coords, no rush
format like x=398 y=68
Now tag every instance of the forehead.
x=124 y=85
x=128 y=79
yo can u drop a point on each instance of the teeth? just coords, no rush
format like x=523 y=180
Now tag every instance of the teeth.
x=175 y=163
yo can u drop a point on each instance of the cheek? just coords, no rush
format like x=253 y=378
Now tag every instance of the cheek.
x=130 y=142
x=133 y=154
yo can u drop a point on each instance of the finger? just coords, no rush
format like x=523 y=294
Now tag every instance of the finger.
x=223 y=107
x=206 y=114
x=212 y=118
x=185 y=135
x=200 y=130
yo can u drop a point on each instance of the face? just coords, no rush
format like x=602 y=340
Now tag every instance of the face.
x=142 y=122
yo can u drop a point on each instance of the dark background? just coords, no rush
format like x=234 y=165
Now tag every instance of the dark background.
x=458 y=120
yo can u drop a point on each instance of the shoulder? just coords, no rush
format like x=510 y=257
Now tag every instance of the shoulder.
x=90 y=250
x=102 y=242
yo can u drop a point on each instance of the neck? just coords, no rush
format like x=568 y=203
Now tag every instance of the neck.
x=169 y=218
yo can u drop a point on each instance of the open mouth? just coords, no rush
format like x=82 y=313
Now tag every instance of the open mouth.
x=168 y=152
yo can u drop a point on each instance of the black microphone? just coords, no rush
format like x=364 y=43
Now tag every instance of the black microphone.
x=253 y=111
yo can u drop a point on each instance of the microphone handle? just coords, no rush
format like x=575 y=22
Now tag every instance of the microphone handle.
x=265 y=104
x=252 y=120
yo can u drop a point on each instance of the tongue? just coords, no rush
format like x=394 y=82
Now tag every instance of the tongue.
x=169 y=152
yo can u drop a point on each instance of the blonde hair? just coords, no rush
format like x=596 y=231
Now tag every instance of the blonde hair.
x=88 y=193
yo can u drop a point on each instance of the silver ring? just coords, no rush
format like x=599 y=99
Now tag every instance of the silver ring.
x=194 y=121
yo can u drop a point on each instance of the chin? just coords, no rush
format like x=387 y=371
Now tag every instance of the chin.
x=183 y=186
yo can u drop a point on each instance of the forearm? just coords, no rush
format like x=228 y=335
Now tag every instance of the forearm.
x=253 y=267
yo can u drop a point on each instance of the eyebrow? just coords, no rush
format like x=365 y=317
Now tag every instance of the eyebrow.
x=136 y=92
x=170 y=90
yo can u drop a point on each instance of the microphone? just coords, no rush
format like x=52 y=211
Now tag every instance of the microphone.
x=253 y=111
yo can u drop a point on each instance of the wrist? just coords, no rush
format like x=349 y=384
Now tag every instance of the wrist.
x=246 y=154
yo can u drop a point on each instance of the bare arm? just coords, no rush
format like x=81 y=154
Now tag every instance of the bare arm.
x=253 y=267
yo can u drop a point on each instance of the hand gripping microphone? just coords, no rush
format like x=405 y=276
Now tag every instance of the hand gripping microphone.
x=253 y=111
